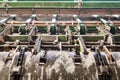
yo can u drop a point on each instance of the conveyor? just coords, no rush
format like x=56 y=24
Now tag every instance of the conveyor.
x=51 y=47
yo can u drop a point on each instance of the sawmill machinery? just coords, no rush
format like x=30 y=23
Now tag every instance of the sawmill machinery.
x=81 y=26
x=24 y=28
x=53 y=25
x=60 y=47
x=108 y=30
x=116 y=16
x=3 y=21
x=109 y=26
x=17 y=68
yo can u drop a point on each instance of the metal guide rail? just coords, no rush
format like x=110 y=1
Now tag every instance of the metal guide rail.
x=59 y=47
x=60 y=10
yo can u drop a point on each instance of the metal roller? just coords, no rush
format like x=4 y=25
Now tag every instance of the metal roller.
x=53 y=29
x=82 y=29
x=80 y=24
x=52 y=55
x=4 y=55
x=3 y=58
x=109 y=26
x=116 y=63
x=43 y=57
x=112 y=28
x=115 y=55
x=24 y=28
x=39 y=58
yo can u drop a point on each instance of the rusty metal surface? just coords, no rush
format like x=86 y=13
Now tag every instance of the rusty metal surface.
x=86 y=44
x=60 y=10
x=63 y=23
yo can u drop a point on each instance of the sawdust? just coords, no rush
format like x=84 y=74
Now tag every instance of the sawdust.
x=1 y=64
x=91 y=69
x=4 y=71
x=63 y=61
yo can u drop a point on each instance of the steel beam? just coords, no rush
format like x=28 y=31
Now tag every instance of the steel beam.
x=60 y=10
